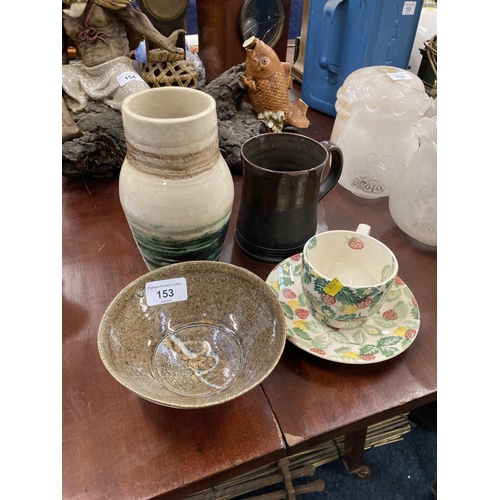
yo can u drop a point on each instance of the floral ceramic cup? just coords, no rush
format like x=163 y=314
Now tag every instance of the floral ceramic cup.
x=346 y=276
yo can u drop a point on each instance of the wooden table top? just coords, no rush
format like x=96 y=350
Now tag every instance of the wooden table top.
x=118 y=446
x=314 y=399
x=115 y=444
x=331 y=399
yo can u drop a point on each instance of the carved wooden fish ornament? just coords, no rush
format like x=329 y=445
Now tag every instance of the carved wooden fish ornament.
x=268 y=80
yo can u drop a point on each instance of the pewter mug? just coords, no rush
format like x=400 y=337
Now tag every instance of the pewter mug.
x=282 y=185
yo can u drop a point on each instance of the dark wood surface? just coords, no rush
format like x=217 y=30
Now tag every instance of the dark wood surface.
x=115 y=444
x=313 y=398
x=118 y=446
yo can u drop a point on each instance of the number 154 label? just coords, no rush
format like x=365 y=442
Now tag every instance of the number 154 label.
x=166 y=291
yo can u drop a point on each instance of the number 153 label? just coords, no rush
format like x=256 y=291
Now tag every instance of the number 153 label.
x=166 y=291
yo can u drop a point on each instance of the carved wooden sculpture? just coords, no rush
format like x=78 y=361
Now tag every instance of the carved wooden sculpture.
x=104 y=32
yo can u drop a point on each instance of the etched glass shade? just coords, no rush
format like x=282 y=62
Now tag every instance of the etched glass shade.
x=378 y=137
x=413 y=200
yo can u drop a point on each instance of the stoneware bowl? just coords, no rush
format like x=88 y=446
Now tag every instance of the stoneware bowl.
x=193 y=334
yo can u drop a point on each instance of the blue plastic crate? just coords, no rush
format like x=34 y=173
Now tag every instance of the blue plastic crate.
x=345 y=35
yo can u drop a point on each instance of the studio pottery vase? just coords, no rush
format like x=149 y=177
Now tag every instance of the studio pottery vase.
x=176 y=189
x=413 y=200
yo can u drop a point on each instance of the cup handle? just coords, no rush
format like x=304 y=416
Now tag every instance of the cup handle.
x=337 y=163
x=364 y=229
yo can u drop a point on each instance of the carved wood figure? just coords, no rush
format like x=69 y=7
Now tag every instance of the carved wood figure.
x=104 y=33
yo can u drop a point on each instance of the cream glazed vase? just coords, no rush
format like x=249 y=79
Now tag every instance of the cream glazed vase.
x=175 y=187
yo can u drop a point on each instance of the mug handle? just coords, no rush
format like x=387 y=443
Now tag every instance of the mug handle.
x=337 y=163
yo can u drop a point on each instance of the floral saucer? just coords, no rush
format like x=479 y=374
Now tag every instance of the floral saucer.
x=386 y=334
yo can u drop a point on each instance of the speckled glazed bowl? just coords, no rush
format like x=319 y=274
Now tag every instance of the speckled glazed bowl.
x=193 y=334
